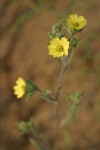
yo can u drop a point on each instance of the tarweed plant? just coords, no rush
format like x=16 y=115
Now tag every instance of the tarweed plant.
x=63 y=42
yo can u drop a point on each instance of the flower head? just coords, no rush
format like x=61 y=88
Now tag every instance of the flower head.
x=19 y=88
x=76 y=23
x=58 y=47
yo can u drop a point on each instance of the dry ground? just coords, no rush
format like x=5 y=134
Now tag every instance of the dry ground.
x=23 y=52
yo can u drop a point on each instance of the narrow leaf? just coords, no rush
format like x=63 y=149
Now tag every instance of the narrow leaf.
x=46 y=96
x=33 y=142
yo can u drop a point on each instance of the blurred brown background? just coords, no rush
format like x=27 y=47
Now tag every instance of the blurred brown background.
x=24 y=27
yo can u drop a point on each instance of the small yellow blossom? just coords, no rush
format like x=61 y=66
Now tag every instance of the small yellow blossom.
x=19 y=88
x=75 y=22
x=58 y=47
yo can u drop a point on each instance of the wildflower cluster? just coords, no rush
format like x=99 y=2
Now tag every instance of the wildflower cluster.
x=60 y=47
x=59 y=44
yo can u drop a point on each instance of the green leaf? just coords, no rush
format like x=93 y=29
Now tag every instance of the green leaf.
x=76 y=97
x=35 y=144
x=27 y=126
x=47 y=92
x=74 y=42
x=32 y=84
x=72 y=107
x=46 y=95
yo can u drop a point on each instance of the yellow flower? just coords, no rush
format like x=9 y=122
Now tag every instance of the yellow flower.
x=58 y=47
x=19 y=88
x=75 y=22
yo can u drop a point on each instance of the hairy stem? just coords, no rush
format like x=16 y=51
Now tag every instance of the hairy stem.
x=64 y=67
x=63 y=70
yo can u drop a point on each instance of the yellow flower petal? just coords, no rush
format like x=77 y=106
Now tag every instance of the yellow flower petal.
x=58 y=47
x=19 y=88
x=75 y=22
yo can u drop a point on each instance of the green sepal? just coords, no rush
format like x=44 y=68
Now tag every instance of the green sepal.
x=57 y=28
x=31 y=87
x=52 y=35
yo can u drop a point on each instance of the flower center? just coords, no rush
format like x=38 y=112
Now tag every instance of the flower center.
x=60 y=48
x=76 y=24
